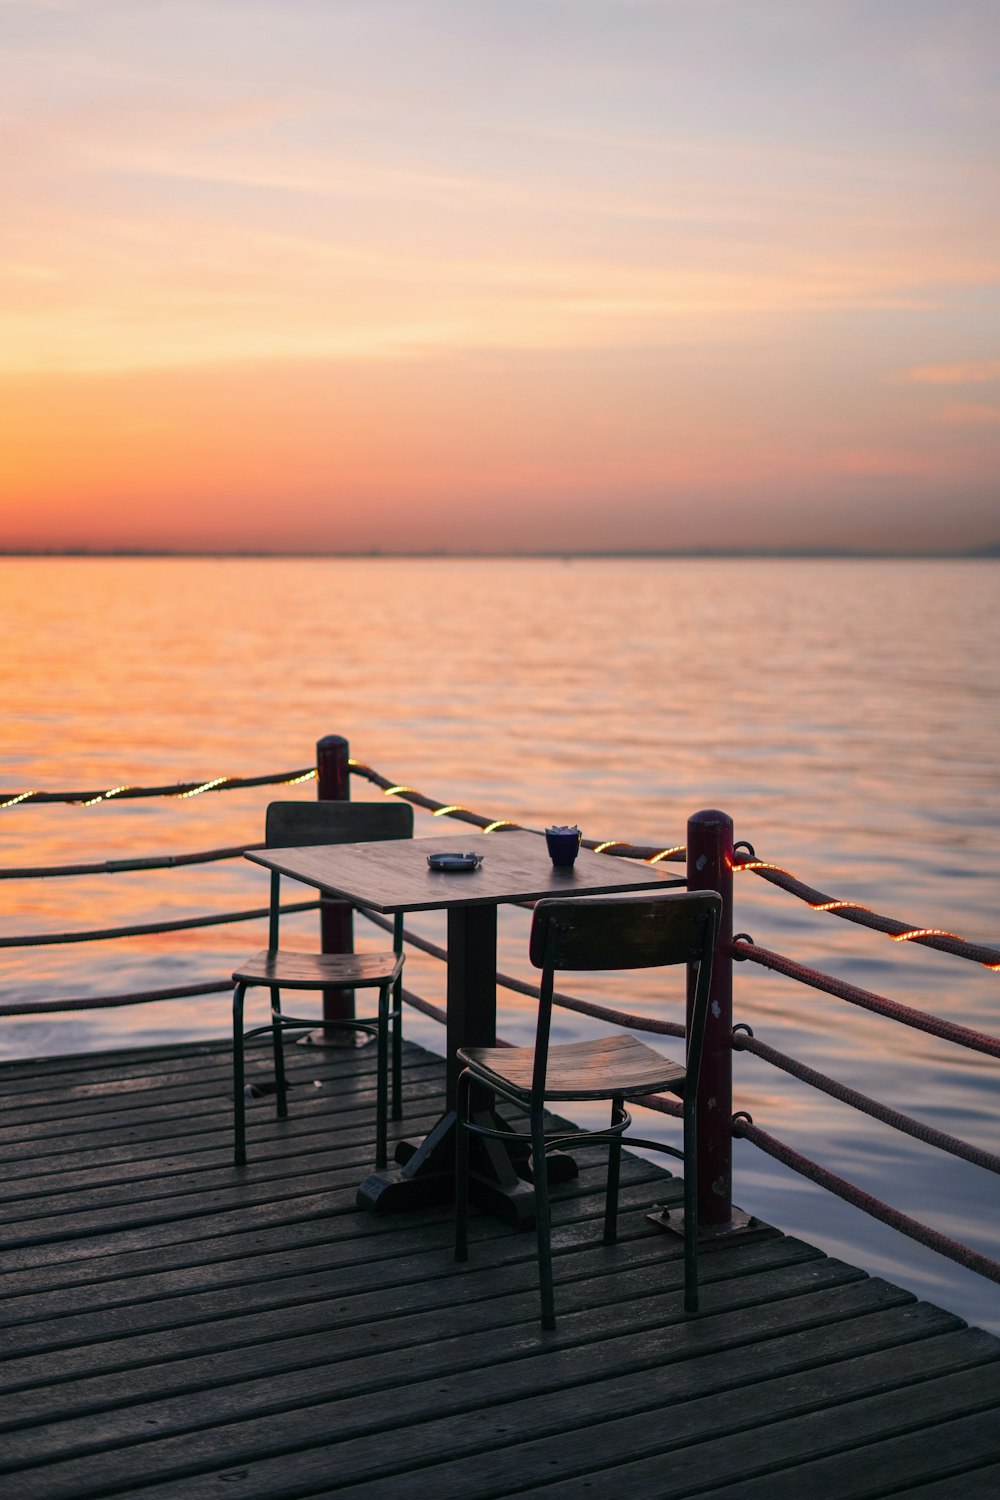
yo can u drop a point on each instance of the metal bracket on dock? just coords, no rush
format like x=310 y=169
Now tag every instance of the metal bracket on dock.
x=743 y=1224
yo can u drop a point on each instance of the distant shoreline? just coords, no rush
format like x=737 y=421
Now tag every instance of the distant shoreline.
x=705 y=554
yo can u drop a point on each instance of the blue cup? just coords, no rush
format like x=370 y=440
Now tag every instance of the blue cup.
x=564 y=844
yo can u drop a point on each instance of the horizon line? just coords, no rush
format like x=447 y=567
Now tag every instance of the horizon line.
x=986 y=550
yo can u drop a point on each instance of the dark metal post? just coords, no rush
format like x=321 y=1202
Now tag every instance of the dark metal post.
x=710 y=868
x=336 y=923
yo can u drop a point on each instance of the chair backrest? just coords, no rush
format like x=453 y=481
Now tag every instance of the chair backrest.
x=293 y=825
x=623 y=932
x=628 y=932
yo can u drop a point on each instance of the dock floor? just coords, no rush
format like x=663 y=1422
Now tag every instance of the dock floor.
x=174 y=1328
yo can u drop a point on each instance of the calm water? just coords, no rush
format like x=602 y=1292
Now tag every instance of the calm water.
x=844 y=713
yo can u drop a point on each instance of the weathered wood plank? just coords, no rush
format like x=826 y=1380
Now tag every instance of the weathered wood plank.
x=116 y=1307
x=421 y=1427
x=325 y=1329
x=60 y=1194
x=309 y=1421
x=600 y=1419
x=196 y=1131
x=940 y=1450
x=980 y=1484
x=964 y=1402
x=114 y=1110
x=63 y=1104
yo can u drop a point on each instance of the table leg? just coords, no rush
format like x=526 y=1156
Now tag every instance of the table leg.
x=426 y=1175
x=472 y=984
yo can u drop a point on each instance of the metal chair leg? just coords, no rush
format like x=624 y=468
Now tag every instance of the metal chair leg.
x=543 y=1221
x=462 y=1106
x=614 y=1176
x=397 y=1026
x=382 y=1081
x=278 y=1048
x=239 y=1082
x=397 y=1052
x=690 y=1212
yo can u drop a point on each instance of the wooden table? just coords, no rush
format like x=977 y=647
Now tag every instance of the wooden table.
x=391 y=876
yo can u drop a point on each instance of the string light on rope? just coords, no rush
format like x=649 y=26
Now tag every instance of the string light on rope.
x=761 y=864
x=921 y=932
x=909 y=935
x=206 y=786
x=306 y=776
x=105 y=796
x=452 y=807
x=129 y=792
x=666 y=853
x=500 y=823
x=610 y=844
x=398 y=791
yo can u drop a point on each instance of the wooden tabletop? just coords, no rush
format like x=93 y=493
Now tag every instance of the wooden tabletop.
x=392 y=874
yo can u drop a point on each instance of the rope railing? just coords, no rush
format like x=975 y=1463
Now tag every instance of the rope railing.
x=920 y=1020
x=743 y=1126
x=651 y=853
x=853 y=911
x=177 y=789
x=744 y=1129
x=745 y=1041
x=113 y=1002
x=817 y=900
x=426 y=1007
x=122 y=866
x=146 y=929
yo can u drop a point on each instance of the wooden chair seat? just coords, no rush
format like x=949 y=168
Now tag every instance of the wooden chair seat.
x=610 y=1065
x=290 y=970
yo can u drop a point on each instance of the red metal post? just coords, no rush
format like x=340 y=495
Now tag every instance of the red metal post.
x=710 y=868
x=336 y=923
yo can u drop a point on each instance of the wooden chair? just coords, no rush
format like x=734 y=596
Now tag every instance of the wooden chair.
x=292 y=825
x=597 y=932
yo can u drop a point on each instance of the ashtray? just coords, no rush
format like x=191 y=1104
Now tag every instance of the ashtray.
x=454 y=862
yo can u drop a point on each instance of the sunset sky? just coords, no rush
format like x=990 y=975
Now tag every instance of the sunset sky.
x=324 y=275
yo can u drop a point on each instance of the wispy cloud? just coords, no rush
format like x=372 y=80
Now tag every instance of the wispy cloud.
x=963 y=372
x=971 y=414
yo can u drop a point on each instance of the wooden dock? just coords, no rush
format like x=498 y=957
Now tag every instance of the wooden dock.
x=174 y=1328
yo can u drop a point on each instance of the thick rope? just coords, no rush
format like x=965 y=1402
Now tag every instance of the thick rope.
x=111 y=1002
x=182 y=992
x=177 y=789
x=122 y=866
x=745 y=1129
x=963 y=1036
x=742 y=1042
x=649 y=852
x=662 y=1105
x=425 y=1006
x=46 y=939
x=851 y=911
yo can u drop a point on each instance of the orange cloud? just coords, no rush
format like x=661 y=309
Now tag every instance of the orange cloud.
x=968 y=372
x=971 y=414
